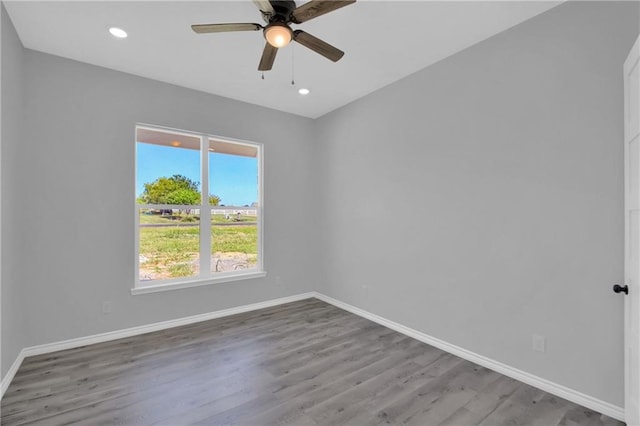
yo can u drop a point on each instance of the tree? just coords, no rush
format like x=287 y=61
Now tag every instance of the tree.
x=183 y=196
x=176 y=189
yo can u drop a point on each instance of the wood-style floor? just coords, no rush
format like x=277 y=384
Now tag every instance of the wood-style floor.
x=303 y=363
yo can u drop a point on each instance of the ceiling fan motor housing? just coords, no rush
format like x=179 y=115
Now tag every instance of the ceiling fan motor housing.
x=283 y=9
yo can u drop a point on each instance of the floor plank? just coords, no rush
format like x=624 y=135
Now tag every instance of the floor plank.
x=305 y=363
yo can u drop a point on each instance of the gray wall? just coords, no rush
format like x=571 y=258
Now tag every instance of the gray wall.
x=74 y=170
x=13 y=330
x=503 y=165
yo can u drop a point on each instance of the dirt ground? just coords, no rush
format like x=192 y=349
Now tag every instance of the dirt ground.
x=220 y=262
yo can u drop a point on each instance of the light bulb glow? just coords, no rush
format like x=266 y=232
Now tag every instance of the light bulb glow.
x=118 y=32
x=278 y=35
x=303 y=91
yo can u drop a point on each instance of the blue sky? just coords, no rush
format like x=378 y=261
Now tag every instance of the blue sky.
x=231 y=177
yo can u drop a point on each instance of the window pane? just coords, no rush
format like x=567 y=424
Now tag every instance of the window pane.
x=234 y=239
x=168 y=168
x=169 y=243
x=233 y=174
x=233 y=187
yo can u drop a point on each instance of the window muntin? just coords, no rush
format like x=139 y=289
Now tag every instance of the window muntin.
x=183 y=236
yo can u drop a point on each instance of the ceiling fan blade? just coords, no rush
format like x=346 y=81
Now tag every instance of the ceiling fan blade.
x=223 y=28
x=317 y=45
x=316 y=8
x=268 y=56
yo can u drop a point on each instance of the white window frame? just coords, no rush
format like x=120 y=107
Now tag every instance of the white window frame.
x=205 y=277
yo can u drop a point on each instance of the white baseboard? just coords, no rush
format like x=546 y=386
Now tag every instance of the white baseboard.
x=528 y=378
x=12 y=372
x=134 y=331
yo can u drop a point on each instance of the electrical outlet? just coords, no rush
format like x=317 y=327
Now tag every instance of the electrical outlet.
x=539 y=343
x=106 y=307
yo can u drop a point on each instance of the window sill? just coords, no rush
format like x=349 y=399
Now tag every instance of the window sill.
x=155 y=288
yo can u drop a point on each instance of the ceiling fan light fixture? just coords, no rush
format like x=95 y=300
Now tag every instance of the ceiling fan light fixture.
x=278 y=34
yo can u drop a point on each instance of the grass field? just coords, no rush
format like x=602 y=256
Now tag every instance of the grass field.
x=172 y=251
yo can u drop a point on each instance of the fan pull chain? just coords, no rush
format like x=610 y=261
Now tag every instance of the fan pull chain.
x=260 y=46
x=293 y=82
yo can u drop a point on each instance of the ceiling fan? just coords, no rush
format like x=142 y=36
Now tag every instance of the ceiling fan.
x=279 y=15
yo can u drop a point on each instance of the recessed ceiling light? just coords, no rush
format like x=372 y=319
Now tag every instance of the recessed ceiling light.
x=118 y=32
x=303 y=91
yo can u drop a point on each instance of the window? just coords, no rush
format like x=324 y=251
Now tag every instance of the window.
x=198 y=209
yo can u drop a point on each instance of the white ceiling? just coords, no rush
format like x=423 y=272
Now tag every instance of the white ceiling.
x=383 y=40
